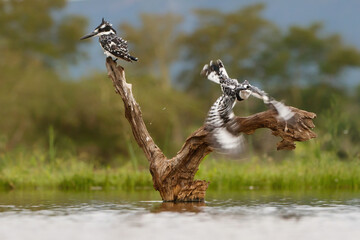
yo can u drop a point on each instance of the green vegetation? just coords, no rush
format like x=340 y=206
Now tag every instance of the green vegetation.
x=36 y=171
x=290 y=174
x=297 y=172
x=58 y=132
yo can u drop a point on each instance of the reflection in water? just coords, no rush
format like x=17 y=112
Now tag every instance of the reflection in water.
x=118 y=215
x=179 y=207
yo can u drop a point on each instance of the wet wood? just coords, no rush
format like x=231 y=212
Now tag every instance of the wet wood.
x=174 y=177
x=180 y=207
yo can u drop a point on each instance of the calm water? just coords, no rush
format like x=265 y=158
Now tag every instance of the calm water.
x=113 y=215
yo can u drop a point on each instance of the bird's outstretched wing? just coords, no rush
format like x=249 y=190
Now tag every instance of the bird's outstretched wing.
x=118 y=47
x=284 y=112
x=220 y=121
x=220 y=124
x=215 y=71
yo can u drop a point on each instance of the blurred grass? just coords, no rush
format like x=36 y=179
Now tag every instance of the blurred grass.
x=33 y=171
x=71 y=134
x=306 y=169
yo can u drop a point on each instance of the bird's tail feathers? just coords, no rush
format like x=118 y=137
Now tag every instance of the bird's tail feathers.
x=133 y=58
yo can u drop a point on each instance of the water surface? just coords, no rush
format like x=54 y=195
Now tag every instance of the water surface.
x=141 y=215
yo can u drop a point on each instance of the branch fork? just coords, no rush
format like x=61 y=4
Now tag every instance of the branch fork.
x=174 y=177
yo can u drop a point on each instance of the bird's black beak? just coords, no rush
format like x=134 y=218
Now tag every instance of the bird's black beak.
x=88 y=35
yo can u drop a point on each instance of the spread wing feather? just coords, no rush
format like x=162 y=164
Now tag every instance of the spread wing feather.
x=215 y=71
x=219 y=123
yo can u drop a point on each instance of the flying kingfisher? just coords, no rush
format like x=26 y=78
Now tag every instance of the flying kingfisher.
x=220 y=121
x=113 y=45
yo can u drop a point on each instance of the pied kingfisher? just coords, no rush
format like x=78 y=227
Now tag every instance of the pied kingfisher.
x=220 y=121
x=113 y=45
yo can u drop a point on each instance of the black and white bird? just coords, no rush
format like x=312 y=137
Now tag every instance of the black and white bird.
x=220 y=121
x=113 y=46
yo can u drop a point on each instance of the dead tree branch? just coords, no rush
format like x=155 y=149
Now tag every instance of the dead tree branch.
x=174 y=178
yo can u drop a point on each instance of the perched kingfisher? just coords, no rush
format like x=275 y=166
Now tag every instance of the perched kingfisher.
x=220 y=121
x=113 y=45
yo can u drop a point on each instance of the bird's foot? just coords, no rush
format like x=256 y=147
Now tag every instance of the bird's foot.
x=115 y=60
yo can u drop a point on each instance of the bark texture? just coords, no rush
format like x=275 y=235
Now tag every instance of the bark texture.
x=174 y=177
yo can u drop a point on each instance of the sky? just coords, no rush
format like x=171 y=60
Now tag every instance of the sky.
x=337 y=16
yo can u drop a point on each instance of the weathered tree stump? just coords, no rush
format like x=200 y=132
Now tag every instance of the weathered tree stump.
x=174 y=178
